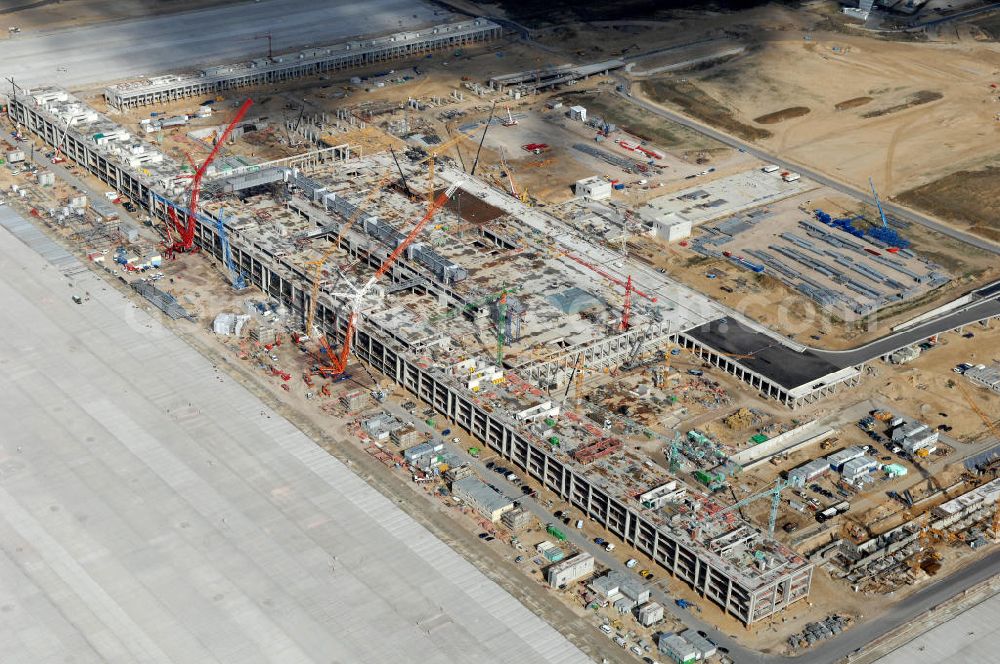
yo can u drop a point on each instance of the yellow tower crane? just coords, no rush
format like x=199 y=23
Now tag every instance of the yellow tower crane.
x=432 y=155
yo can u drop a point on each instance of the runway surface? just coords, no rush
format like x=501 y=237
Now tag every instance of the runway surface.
x=102 y=52
x=154 y=510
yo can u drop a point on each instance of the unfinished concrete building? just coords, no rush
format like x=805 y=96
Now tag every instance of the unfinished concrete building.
x=437 y=304
x=310 y=62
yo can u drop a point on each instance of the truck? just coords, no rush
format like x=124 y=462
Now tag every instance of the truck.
x=833 y=511
x=790 y=177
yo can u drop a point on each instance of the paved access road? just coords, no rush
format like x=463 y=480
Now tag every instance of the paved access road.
x=893 y=210
x=848 y=358
x=173 y=42
x=154 y=510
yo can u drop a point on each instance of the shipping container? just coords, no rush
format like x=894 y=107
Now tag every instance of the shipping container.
x=555 y=532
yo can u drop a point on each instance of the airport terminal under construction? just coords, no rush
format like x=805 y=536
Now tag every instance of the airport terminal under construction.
x=275 y=243
x=553 y=345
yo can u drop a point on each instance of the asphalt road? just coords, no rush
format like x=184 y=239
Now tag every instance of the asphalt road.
x=84 y=56
x=829 y=652
x=968 y=13
x=896 y=211
x=916 y=334
x=887 y=344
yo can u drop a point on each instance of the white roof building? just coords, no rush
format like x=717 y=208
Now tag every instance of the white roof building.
x=988 y=377
x=569 y=570
x=485 y=499
x=838 y=459
x=594 y=188
x=650 y=613
x=855 y=469
x=925 y=439
x=807 y=472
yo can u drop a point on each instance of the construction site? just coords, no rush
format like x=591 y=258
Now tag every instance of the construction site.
x=663 y=348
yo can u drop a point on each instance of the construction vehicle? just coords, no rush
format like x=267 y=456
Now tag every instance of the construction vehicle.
x=186 y=228
x=318 y=264
x=337 y=363
x=774 y=493
x=237 y=278
x=505 y=167
x=473 y=306
x=432 y=156
x=509 y=121
x=57 y=156
x=974 y=407
x=684 y=604
x=483 y=138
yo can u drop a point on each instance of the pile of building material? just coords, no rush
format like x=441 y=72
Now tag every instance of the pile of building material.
x=744 y=418
x=163 y=301
x=230 y=324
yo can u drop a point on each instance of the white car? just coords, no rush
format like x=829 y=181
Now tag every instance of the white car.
x=632 y=562
x=606 y=629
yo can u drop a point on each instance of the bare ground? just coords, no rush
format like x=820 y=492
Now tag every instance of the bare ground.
x=694 y=101
x=966 y=198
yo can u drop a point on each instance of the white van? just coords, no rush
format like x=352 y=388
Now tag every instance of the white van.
x=579 y=524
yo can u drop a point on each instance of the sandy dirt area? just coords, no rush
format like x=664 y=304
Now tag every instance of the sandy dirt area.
x=903 y=113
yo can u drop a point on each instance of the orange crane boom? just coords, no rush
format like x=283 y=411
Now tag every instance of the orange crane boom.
x=339 y=362
x=314 y=291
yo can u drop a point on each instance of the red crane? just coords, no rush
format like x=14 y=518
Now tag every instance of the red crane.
x=628 y=285
x=186 y=229
x=338 y=362
x=627 y=307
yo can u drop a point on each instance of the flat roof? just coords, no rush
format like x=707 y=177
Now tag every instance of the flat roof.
x=772 y=359
x=482 y=493
x=160 y=511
